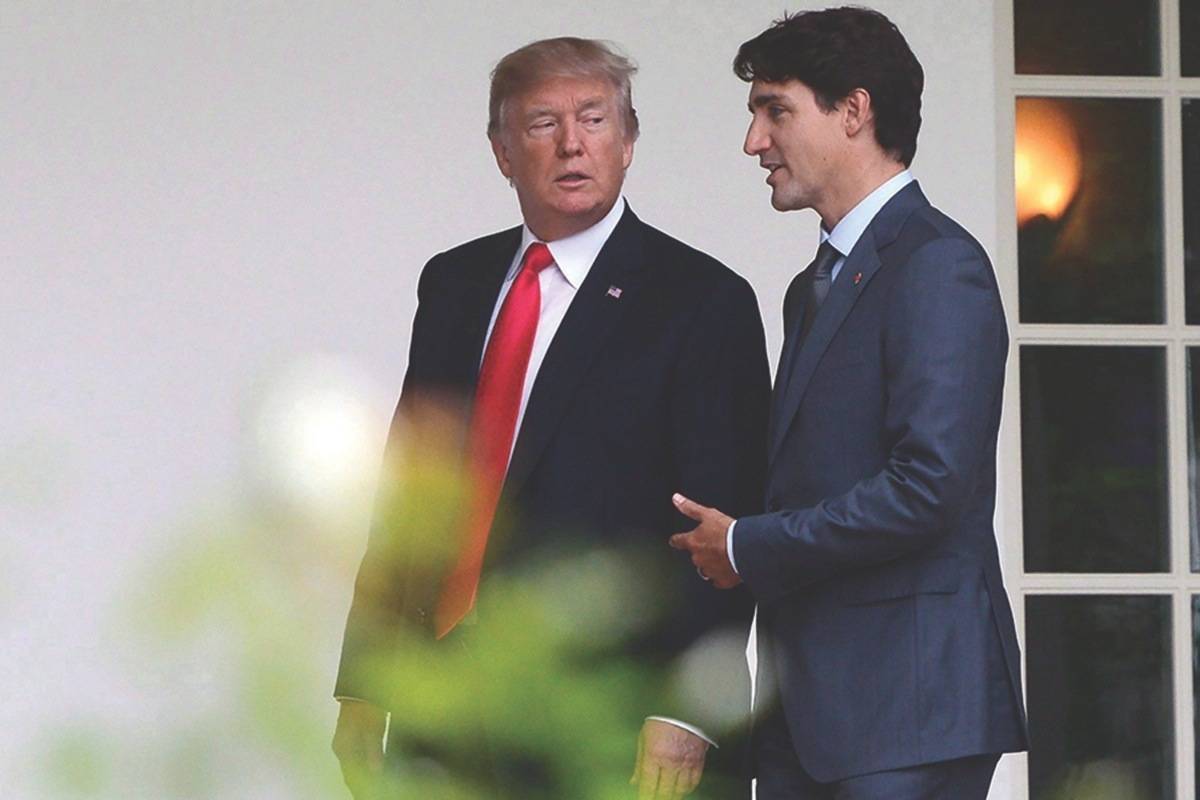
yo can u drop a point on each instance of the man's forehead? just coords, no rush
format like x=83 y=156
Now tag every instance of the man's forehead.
x=763 y=92
x=573 y=91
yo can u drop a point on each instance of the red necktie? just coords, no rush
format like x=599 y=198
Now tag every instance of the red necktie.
x=493 y=426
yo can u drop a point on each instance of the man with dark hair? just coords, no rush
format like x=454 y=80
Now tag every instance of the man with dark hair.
x=589 y=364
x=888 y=658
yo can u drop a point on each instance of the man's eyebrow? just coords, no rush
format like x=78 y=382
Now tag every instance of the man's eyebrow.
x=546 y=110
x=538 y=111
x=760 y=100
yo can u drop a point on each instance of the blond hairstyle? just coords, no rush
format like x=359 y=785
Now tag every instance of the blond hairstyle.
x=562 y=57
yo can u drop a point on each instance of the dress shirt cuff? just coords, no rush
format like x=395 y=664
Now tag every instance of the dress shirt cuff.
x=729 y=547
x=689 y=728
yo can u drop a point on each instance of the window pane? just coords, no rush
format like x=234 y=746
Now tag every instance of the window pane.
x=1191 y=206
x=1196 y=681
x=1094 y=459
x=1194 y=453
x=1100 y=698
x=1089 y=210
x=1189 y=38
x=1086 y=37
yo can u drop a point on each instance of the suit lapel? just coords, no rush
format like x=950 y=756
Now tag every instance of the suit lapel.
x=842 y=296
x=856 y=273
x=477 y=302
x=791 y=338
x=591 y=318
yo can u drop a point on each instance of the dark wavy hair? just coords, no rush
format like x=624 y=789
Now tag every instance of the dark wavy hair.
x=836 y=51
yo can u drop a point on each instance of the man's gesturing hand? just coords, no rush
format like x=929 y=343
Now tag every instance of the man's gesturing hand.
x=358 y=745
x=669 y=761
x=706 y=542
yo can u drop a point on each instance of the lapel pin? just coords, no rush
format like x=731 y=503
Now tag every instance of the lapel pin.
x=857 y=278
x=614 y=292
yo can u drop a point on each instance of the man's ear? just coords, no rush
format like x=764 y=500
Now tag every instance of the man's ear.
x=858 y=113
x=500 y=151
x=629 y=136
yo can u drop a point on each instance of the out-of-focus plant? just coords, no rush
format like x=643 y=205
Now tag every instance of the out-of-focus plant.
x=233 y=630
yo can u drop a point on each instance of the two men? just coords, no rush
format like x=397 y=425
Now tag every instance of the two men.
x=888 y=658
x=594 y=365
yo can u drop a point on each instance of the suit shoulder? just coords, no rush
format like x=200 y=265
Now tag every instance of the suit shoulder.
x=679 y=261
x=934 y=250
x=461 y=257
x=928 y=244
x=929 y=229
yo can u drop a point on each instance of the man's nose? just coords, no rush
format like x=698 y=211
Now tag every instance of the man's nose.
x=569 y=141
x=755 y=142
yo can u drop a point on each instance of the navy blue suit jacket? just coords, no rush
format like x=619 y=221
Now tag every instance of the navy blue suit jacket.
x=662 y=388
x=883 y=618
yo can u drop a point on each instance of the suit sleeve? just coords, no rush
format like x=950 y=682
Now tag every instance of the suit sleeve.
x=720 y=400
x=720 y=403
x=376 y=615
x=944 y=351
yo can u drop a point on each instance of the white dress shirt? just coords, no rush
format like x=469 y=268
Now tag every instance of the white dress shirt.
x=843 y=237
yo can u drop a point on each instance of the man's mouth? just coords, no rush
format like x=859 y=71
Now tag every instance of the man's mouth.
x=572 y=178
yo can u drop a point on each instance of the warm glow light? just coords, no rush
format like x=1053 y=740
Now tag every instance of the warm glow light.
x=1053 y=196
x=1048 y=161
x=1023 y=170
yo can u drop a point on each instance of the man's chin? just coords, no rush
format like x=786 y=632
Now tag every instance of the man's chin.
x=781 y=202
x=567 y=219
x=583 y=208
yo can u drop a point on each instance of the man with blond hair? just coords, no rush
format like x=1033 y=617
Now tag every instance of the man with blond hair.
x=599 y=364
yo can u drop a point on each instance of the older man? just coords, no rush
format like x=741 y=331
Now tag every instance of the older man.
x=600 y=364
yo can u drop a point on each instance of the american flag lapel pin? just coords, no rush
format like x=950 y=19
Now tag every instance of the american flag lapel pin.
x=857 y=278
x=614 y=292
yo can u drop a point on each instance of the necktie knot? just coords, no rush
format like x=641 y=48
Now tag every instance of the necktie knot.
x=822 y=275
x=537 y=257
x=827 y=256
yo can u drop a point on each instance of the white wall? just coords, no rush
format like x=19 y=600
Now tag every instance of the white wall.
x=196 y=196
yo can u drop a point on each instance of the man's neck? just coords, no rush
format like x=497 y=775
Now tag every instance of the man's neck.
x=859 y=180
x=558 y=228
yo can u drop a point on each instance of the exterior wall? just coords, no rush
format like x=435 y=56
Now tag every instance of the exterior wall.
x=198 y=196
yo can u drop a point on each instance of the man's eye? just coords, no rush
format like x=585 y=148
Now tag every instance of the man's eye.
x=775 y=112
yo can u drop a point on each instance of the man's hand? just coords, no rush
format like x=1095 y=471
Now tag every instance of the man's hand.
x=707 y=542
x=669 y=763
x=358 y=745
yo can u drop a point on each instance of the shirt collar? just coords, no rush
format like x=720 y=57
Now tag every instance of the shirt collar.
x=846 y=233
x=575 y=254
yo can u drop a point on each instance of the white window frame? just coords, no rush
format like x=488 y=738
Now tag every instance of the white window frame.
x=1180 y=583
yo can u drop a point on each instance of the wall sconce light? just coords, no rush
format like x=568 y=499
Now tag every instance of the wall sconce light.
x=1048 y=161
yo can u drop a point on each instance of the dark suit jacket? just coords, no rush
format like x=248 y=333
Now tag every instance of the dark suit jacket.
x=882 y=612
x=665 y=388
